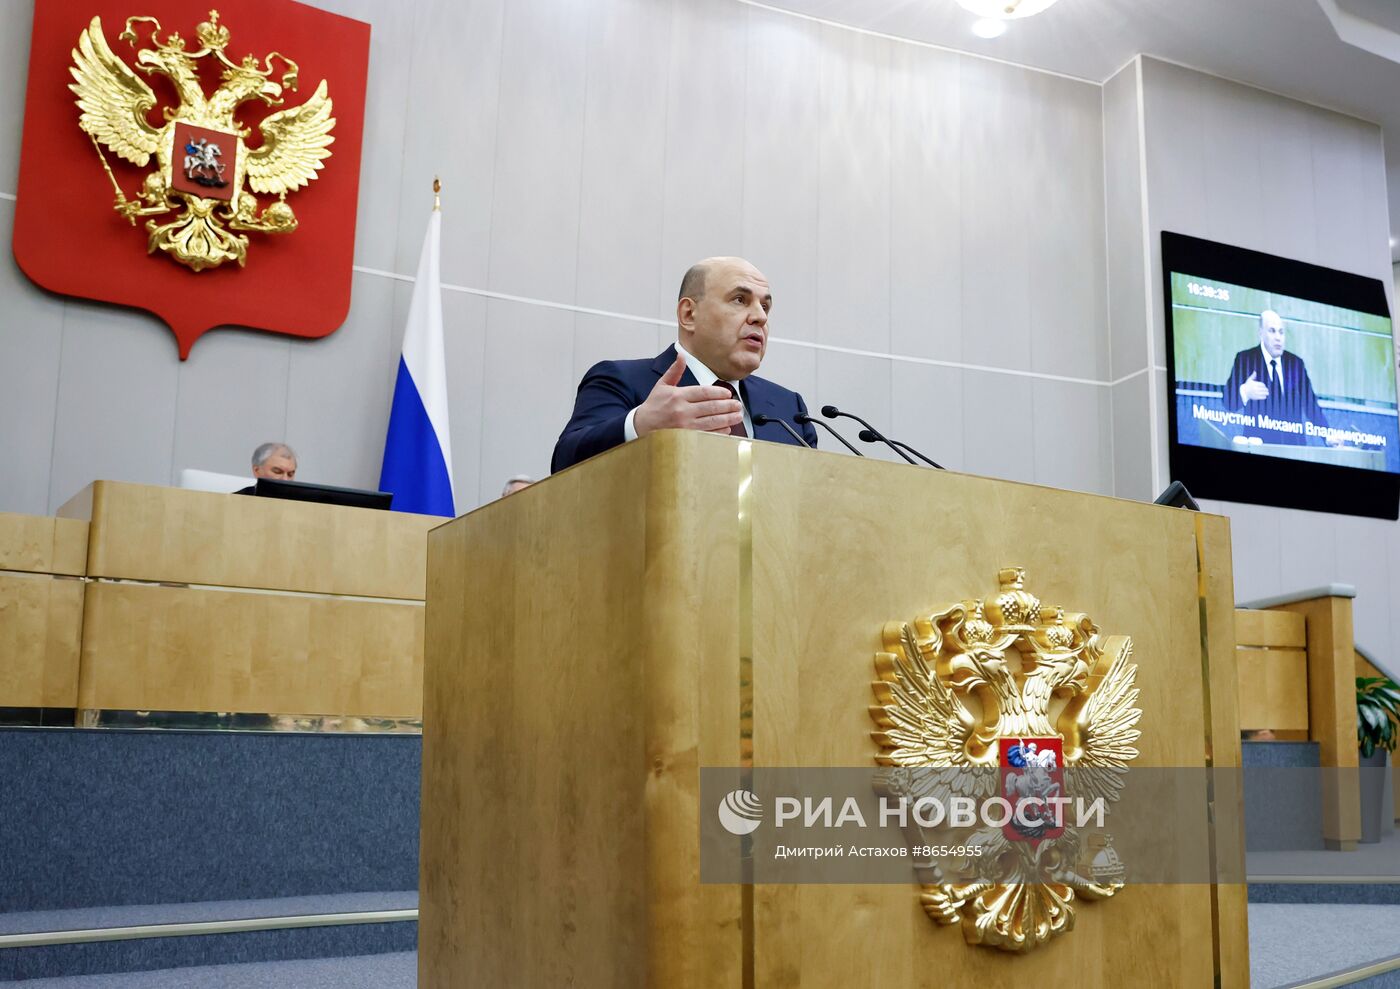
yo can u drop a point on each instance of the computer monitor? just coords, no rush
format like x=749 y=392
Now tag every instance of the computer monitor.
x=324 y=494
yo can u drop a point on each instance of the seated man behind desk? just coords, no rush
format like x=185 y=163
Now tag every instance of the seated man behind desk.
x=705 y=381
x=275 y=460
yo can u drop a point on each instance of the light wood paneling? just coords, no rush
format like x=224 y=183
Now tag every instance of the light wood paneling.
x=1332 y=712
x=584 y=662
x=1273 y=688
x=1216 y=594
x=38 y=544
x=195 y=537
x=41 y=621
x=151 y=648
x=1272 y=629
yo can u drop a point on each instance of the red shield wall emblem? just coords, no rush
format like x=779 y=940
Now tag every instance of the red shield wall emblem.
x=296 y=275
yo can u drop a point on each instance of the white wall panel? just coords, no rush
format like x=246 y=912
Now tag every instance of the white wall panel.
x=855 y=384
x=452 y=101
x=31 y=336
x=1061 y=168
x=703 y=198
x=464 y=333
x=926 y=411
x=1072 y=446
x=1126 y=280
x=231 y=395
x=926 y=208
x=528 y=392
x=998 y=430
x=339 y=390
x=16 y=25
x=1132 y=454
x=116 y=399
x=623 y=164
x=387 y=108
x=997 y=119
x=539 y=144
x=782 y=116
x=853 y=221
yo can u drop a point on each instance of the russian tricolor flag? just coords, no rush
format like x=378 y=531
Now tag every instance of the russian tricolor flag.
x=418 y=448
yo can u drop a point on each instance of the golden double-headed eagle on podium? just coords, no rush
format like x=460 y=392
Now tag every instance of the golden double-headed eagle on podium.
x=205 y=174
x=1009 y=698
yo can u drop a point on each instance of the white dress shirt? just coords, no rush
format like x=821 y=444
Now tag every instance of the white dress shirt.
x=703 y=376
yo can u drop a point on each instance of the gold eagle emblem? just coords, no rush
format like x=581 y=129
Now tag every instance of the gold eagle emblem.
x=206 y=175
x=970 y=690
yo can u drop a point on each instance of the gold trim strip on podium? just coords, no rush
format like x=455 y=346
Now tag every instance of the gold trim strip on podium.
x=1203 y=603
x=746 y=689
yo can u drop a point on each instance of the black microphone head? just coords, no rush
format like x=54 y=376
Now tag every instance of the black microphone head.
x=868 y=436
x=759 y=419
x=830 y=411
x=802 y=417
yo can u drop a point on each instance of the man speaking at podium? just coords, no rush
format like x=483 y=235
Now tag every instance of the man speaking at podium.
x=705 y=381
x=1272 y=384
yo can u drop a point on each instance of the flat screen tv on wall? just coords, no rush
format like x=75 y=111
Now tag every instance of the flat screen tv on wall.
x=1281 y=378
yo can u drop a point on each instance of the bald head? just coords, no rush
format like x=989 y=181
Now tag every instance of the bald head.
x=697 y=276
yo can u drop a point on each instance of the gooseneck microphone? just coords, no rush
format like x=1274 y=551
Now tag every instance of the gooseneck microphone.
x=763 y=420
x=803 y=417
x=870 y=436
x=831 y=412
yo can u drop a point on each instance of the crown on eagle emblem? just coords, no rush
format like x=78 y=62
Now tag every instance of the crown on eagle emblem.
x=206 y=176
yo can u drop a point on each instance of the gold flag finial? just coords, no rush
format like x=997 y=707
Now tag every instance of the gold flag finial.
x=437 y=197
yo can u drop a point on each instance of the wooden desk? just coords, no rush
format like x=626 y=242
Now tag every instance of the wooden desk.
x=198 y=602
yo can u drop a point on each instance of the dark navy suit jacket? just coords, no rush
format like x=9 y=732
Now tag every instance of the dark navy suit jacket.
x=1295 y=402
x=612 y=389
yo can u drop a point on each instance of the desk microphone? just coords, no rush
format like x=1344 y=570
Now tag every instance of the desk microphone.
x=803 y=417
x=763 y=420
x=831 y=412
x=870 y=436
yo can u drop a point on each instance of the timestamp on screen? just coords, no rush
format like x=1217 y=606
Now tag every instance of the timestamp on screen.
x=1208 y=291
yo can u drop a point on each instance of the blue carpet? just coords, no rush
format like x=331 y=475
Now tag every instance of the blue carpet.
x=1291 y=942
x=124 y=817
x=390 y=971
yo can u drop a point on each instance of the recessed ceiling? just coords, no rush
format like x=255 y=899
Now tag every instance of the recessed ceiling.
x=1289 y=47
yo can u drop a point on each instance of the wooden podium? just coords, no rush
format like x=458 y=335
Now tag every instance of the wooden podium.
x=691 y=601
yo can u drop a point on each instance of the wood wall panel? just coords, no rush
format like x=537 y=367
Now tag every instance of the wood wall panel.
x=1273 y=689
x=196 y=537
x=41 y=621
x=1271 y=629
x=38 y=544
x=152 y=648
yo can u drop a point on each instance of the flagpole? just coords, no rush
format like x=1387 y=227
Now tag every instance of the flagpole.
x=437 y=197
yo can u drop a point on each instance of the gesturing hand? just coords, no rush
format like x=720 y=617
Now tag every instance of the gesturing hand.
x=669 y=406
x=1253 y=389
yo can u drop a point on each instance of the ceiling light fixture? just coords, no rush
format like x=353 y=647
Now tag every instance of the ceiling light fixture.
x=1005 y=10
x=989 y=27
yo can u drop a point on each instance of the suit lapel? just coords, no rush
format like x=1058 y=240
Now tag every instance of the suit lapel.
x=664 y=360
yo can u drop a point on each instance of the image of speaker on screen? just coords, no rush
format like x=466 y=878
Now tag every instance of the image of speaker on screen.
x=1272 y=384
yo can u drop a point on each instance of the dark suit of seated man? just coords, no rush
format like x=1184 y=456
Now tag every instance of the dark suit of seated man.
x=1269 y=381
x=721 y=334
